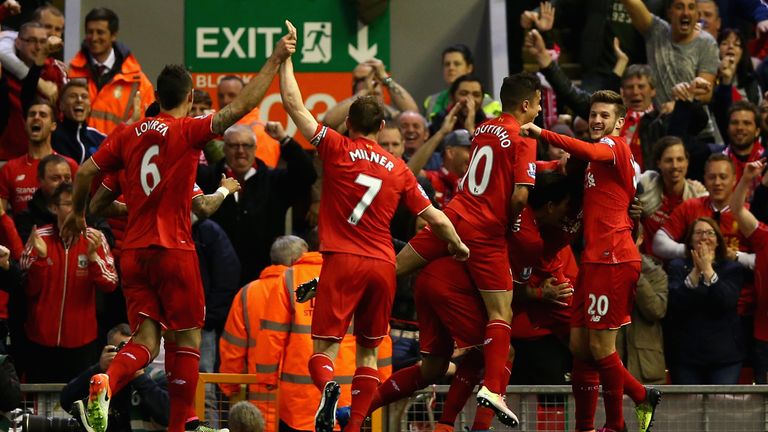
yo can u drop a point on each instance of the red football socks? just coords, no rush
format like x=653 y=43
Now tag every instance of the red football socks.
x=399 y=385
x=321 y=370
x=364 y=385
x=468 y=375
x=585 y=382
x=181 y=387
x=170 y=356
x=484 y=416
x=496 y=350
x=126 y=363
x=612 y=378
x=633 y=388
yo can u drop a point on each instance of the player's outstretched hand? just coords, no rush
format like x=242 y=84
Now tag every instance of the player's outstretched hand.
x=459 y=252
x=72 y=227
x=556 y=293
x=230 y=183
x=530 y=130
x=307 y=290
x=286 y=46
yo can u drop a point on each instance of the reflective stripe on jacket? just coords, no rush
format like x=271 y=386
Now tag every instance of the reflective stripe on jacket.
x=113 y=103
x=285 y=344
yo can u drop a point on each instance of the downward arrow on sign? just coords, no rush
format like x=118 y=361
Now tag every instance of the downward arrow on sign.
x=362 y=51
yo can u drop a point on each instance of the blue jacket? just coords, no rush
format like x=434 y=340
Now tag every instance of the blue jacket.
x=219 y=270
x=76 y=140
x=702 y=325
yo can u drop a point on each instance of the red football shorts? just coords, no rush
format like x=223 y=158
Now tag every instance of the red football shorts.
x=164 y=285
x=488 y=263
x=605 y=295
x=449 y=308
x=353 y=285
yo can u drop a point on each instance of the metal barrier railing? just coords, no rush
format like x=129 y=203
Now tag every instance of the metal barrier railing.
x=738 y=408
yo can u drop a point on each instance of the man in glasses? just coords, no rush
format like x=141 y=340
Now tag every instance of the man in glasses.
x=255 y=216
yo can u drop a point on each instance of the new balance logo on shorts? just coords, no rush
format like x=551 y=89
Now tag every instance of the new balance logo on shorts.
x=178 y=382
x=595 y=318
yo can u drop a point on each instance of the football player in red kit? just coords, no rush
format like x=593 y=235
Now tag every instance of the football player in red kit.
x=605 y=289
x=362 y=187
x=161 y=276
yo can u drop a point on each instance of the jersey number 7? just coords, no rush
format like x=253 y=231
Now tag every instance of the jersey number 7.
x=374 y=186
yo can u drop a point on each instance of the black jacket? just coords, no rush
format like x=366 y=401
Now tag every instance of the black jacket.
x=702 y=325
x=76 y=140
x=219 y=270
x=257 y=218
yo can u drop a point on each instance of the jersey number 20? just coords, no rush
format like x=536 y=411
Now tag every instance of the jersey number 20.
x=374 y=186
x=150 y=175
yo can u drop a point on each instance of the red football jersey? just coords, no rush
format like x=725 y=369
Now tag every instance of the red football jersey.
x=691 y=209
x=362 y=187
x=501 y=158
x=759 y=238
x=159 y=156
x=609 y=187
x=18 y=180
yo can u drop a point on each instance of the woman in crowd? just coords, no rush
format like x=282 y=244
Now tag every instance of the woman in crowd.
x=706 y=343
x=736 y=67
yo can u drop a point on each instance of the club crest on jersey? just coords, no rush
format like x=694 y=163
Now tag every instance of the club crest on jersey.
x=526 y=273
x=532 y=170
x=82 y=261
x=606 y=140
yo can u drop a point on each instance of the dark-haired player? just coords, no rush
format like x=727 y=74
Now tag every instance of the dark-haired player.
x=607 y=281
x=362 y=187
x=491 y=195
x=161 y=278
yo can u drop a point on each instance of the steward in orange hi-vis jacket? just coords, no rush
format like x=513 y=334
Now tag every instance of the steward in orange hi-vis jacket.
x=285 y=345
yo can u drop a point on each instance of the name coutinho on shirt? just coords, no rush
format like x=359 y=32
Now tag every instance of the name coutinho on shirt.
x=499 y=131
x=371 y=156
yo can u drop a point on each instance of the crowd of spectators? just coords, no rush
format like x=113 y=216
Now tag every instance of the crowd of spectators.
x=692 y=75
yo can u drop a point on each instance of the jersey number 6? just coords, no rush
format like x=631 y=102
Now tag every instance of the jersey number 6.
x=374 y=186
x=149 y=169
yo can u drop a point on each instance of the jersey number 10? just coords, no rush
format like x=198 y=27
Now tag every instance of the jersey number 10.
x=475 y=188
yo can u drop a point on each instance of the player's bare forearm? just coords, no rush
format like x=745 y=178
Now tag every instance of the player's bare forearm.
x=293 y=102
x=101 y=202
x=518 y=201
x=441 y=225
x=746 y=220
x=206 y=205
x=248 y=99
x=82 y=185
x=579 y=149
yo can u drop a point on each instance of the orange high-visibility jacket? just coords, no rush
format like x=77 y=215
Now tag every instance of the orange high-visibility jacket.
x=285 y=345
x=237 y=345
x=113 y=104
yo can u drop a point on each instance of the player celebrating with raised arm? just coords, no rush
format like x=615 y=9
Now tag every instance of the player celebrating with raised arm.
x=161 y=277
x=610 y=266
x=362 y=186
x=491 y=195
